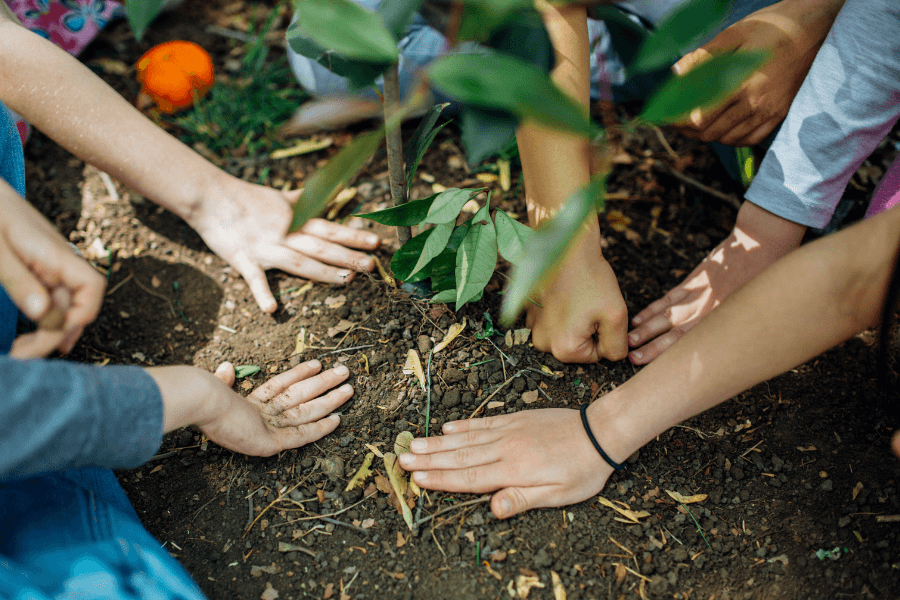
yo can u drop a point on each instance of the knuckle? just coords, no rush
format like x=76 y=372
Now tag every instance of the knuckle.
x=470 y=478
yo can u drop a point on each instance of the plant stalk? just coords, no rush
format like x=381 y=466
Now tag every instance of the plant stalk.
x=395 y=146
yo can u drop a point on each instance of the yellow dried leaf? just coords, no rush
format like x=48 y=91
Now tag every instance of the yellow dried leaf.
x=631 y=515
x=621 y=573
x=486 y=177
x=416 y=490
x=857 y=489
x=384 y=274
x=401 y=541
x=363 y=473
x=414 y=366
x=340 y=201
x=618 y=221
x=397 y=476
x=375 y=450
x=508 y=338
x=559 y=591
x=520 y=336
x=524 y=585
x=401 y=444
x=302 y=290
x=343 y=326
x=686 y=499
x=300 y=348
x=452 y=334
x=495 y=404
x=505 y=171
x=383 y=484
x=365 y=360
x=335 y=301
x=529 y=397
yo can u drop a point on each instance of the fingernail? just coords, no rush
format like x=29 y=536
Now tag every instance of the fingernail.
x=449 y=427
x=637 y=356
x=314 y=364
x=343 y=274
x=34 y=305
x=418 y=445
x=676 y=68
x=407 y=459
x=632 y=340
x=341 y=370
x=637 y=321
x=372 y=240
x=346 y=388
x=505 y=507
x=420 y=476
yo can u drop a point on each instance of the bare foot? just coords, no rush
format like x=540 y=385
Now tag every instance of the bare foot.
x=758 y=239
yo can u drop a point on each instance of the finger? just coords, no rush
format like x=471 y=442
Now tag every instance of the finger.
x=23 y=288
x=472 y=454
x=476 y=480
x=256 y=280
x=515 y=500
x=294 y=437
x=673 y=297
x=329 y=252
x=691 y=61
x=281 y=382
x=654 y=327
x=295 y=263
x=341 y=234
x=613 y=342
x=37 y=344
x=69 y=340
x=761 y=132
x=701 y=119
x=313 y=410
x=306 y=390
x=225 y=372
x=649 y=352
x=738 y=118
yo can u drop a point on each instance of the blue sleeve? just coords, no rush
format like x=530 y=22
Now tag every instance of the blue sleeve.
x=57 y=415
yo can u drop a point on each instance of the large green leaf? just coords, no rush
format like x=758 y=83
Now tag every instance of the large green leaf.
x=702 y=87
x=141 y=13
x=439 y=269
x=476 y=258
x=524 y=36
x=511 y=236
x=447 y=205
x=406 y=257
x=405 y=215
x=397 y=15
x=323 y=184
x=434 y=245
x=347 y=28
x=547 y=247
x=496 y=81
x=360 y=73
x=421 y=140
x=444 y=296
x=485 y=132
x=680 y=33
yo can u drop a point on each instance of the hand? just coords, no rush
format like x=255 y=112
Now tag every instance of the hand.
x=582 y=316
x=247 y=225
x=44 y=277
x=288 y=411
x=793 y=31
x=759 y=239
x=536 y=458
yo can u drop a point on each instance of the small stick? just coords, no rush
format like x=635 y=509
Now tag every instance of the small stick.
x=665 y=143
x=118 y=285
x=485 y=498
x=494 y=393
x=334 y=514
x=152 y=293
x=348 y=525
x=752 y=449
x=344 y=350
x=727 y=198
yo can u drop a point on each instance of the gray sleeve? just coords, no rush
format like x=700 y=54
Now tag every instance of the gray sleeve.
x=57 y=415
x=848 y=103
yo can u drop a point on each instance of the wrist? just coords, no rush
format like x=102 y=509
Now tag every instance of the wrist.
x=190 y=396
x=610 y=422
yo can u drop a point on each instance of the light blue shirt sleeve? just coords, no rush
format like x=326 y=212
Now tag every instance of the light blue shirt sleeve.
x=847 y=104
x=57 y=415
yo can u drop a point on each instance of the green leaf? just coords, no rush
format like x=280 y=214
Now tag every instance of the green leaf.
x=320 y=187
x=547 y=247
x=680 y=33
x=445 y=297
x=703 y=87
x=421 y=140
x=140 y=14
x=242 y=371
x=434 y=245
x=511 y=236
x=497 y=81
x=447 y=205
x=625 y=36
x=524 y=36
x=477 y=257
x=347 y=28
x=406 y=257
x=443 y=267
x=361 y=74
x=486 y=132
x=488 y=327
x=397 y=15
x=405 y=215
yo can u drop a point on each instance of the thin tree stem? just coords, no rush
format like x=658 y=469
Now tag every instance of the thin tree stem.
x=395 y=146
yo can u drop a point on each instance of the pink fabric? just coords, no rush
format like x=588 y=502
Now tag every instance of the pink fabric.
x=70 y=24
x=887 y=194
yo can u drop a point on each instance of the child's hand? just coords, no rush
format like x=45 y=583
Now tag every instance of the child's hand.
x=247 y=225
x=55 y=288
x=582 y=316
x=288 y=411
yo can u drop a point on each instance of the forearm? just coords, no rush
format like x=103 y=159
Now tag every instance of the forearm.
x=556 y=164
x=806 y=303
x=190 y=396
x=65 y=100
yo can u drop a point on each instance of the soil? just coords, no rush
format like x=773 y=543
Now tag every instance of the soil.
x=792 y=466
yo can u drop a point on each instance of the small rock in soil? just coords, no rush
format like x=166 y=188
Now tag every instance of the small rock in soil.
x=542 y=559
x=451 y=398
x=827 y=485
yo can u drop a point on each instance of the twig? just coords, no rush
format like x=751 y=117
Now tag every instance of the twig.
x=494 y=393
x=632 y=571
x=485 y=498
x=114 y=288
x=347 y=525
x=110 y=186
x=345 y=350
x=665 y=143
x=752 y=449
x=334 y=514
x=162 y=456
x=152 y=293
x=727 y=198
x=428 y=398
x=395 y=146
x=438 y=544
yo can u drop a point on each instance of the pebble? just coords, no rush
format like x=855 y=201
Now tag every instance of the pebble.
x=827 y=485
x=451 y=398
x=453 y=549
x=542 y=559
x=425 y=344
x=476 y=519
x=844 y=521
x=775 y=482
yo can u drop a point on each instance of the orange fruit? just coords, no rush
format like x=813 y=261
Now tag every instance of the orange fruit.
x=174 y=73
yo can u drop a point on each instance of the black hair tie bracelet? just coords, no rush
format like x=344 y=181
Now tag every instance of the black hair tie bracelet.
x=587 y=429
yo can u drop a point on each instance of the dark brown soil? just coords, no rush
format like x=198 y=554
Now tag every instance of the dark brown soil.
x=792 y=466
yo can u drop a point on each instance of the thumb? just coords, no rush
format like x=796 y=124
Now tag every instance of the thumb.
x=512 y=501
x=225 y=372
